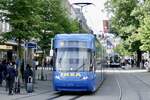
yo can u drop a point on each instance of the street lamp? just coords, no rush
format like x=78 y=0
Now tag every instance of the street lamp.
x=81 y=5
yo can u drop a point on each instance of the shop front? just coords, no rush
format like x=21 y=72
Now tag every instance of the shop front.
x=7 y=52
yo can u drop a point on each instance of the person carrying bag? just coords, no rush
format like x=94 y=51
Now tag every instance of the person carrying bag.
x=30 y=85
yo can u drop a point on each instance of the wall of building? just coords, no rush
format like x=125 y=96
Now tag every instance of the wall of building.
x=75 y=13
x=82 y=19
x=69 y=8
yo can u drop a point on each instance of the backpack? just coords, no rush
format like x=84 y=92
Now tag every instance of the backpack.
x=30 y=85
x=11 y=73
x=146 y=64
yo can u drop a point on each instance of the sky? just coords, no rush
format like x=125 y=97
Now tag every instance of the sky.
x=94 y=14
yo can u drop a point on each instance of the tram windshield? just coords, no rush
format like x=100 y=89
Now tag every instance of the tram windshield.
x=72 y=59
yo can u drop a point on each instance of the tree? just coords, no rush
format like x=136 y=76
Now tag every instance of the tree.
x=24 y=19
x=126 y=23
x=143 y=14
x=122 y=21
x=56 y=20
x=120 y=48
x=145 y=34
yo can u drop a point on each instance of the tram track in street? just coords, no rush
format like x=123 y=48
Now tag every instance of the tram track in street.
x=144 y=82
x=137 y=83
x=119 y=86
x=134 y=88
x=61 y=94
x=33 y=95
x=74 y=98
x=120 y=89
x=54 y=97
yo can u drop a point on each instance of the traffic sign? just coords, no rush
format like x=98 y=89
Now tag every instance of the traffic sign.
x=31 y=45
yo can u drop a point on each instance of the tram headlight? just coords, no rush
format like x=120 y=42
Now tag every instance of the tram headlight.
x=57 y=77
x=85 y=78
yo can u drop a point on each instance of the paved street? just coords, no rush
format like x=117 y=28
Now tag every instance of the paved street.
x=119 y=84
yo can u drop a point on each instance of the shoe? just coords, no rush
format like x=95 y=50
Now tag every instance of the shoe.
x=10 y=94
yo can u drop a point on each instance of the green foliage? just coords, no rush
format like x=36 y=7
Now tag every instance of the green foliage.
x=145 y=34
x=121 y=49
x=133 y=42
x=54 y=12
x=54 y=19
x=142 y=12
x=51 y=14
x=125 y=21
x=22 y=16
x=122 y=21
x=35 y=19
x=30 y=19
x=74 y=26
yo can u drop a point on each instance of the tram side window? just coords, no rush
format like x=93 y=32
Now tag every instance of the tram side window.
x=53 y=59
x=92 y=62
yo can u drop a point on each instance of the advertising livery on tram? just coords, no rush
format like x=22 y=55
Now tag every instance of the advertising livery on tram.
x=78 y=62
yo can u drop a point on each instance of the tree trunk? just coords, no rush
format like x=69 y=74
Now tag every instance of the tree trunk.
x=42 y=70
x=19 y=58
x=139 y=57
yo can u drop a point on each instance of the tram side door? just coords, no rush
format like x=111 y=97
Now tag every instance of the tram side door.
x=93 y=64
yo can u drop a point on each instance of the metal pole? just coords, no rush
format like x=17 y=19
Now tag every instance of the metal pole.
x=24 y=54
x=33 y=65
x=25 y=59
x=42 y=76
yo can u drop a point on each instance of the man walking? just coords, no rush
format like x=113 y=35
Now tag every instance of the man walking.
x=28 y=73
x=11 y=73
x=1 y=75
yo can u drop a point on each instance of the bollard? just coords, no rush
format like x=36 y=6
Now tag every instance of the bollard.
x=17 y=85
x=38 y=76
x=46 y=77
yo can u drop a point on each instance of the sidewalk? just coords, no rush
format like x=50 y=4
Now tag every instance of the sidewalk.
x=47 y=73
x=128 y=67
x=39 y=88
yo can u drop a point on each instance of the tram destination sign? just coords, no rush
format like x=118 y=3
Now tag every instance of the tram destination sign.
x=73 y=44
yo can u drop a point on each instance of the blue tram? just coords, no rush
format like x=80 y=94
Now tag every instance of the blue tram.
x=78 y=62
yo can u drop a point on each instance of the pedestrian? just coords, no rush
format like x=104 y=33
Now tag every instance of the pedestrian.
x=22 y=71
x=143 y=61
x=1 y=74
x=17 y=81
x=4 y=67
x=45 y=63
x=10 y=77
x=146 y=65
x=36 y=64
x=132 y=63
x=52 y=63
x=28 y=73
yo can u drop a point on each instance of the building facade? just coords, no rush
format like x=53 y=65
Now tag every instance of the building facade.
x=82 y=20
x=77 y=14
x=7 y=49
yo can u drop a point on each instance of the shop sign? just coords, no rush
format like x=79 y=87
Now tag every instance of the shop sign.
x=5 y=47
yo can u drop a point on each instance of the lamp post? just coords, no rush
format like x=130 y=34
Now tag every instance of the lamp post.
x=81 y=5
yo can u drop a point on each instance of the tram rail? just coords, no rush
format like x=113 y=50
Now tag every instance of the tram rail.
x=119 y=86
